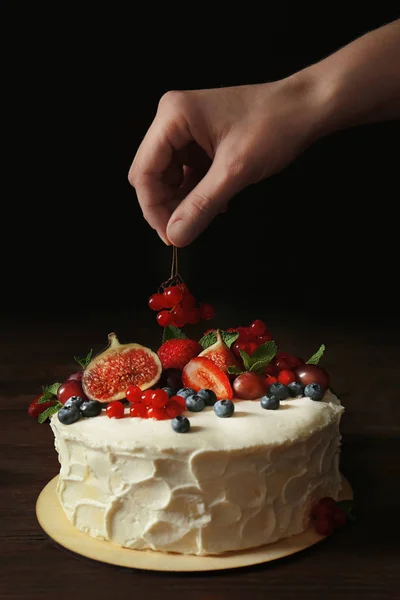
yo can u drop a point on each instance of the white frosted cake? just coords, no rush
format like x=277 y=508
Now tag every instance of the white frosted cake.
x=227 y=485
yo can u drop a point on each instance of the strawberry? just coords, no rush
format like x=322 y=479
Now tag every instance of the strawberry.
x=201 y=373
x=35 y=409
x=176 y=353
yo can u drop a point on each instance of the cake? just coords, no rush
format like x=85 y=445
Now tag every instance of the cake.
x=201 y=446
x=228 y=485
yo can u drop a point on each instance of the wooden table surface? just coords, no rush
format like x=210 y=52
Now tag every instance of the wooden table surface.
x=360 y=561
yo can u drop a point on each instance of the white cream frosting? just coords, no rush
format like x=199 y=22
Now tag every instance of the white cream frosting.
x=227 y=485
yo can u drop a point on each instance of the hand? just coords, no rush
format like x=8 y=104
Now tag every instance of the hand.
x=204 y=146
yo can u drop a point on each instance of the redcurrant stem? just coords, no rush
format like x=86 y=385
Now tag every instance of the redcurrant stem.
x=175 y=278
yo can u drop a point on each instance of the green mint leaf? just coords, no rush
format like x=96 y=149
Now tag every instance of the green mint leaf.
x=208 y=340
x=233 y=370
x=171 y=332
x=52 y=389
x=229 y=337
x=314 y=360
x=247 y=362
x=49 y=412
x=265 y=352
x=83 y=361
x=259 y=366
x=348 y=507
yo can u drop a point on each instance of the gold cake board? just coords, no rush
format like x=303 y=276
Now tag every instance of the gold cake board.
x=53 y=521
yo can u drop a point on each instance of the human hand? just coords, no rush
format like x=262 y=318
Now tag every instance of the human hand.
x=204 y=146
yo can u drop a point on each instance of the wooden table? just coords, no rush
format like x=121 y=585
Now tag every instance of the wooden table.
x=360 y=561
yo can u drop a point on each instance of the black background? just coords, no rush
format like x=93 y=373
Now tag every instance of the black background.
x=80 y=88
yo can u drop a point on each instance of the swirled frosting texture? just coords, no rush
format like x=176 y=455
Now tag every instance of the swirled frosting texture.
x=228 y=484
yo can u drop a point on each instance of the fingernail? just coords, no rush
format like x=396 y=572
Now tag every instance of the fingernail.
x=164 y=239
x=178 y=233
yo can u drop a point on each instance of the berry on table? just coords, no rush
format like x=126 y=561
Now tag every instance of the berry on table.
x=314 y=391
x=224 y=408
x=195 y=403
x=180 y=424
x=208 y=395
x=296 y=389
x=115 y=410
x=270 y=402
x=90 y=408
x=279 y=390
x=68 y=415
x=138 y=410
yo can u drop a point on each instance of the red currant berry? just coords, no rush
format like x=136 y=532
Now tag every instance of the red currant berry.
x=285 y=376
x=147 y=397
x=179 y=316
x=282 y=364
x=179 y=400
x=258 y=327
x=160 y=414
x=270 y=379
x=339 y=517
x=271 y=369
x=193 y=317
x=251 y=347
x=237 y=346
x=115 y=410
x=173 y=409
x=133 y=393
x=324 y=526
x=159 y=398
x=207 y=311
x=164 y=318
x=138 y=410
x=156 y=302
x=325 y=507
x=172 y=295
x=266 y=337
x=188 y=300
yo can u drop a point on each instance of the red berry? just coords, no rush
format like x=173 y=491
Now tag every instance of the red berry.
x=133 y=393
x=270 y=379
x=258 y=327
x=138 y=410
x=325 y=507
x=245 y=335
x=147 y=397
x=164 y=318
x=188 y=300
x=179 y=400
x=286 y=376
x=249 y=386
x=251 y=347
x=281 y=364
x=237 y=346
x=35 y=409
x=176 y=353
x=159 y=414
x=70 y=387
x=207 y=311
x=271 y=369
x=324 y=526
x=115 y=410
x=156 y=302
x=179 y=316
x=159 y=398
x=173 y=409
x=266 y=337
x=172 y=295
x=339 y=517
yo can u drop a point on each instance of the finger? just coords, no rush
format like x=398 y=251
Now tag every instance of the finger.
x=208 y=198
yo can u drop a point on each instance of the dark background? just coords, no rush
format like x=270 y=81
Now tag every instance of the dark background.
x=80 y=88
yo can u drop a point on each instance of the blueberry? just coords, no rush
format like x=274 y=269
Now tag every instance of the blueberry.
x=278 y=390
x=314 y=391
x=195 y=403
x=185 y=392
x=296 y=389
x=224 y=408
x=209 y=397
x=180 y=424
x=91 y=408
x=270 y=402
x=74 y=401
x=169 y=391
x=69 y=414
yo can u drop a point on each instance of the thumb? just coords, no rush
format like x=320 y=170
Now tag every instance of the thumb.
x=203 y=203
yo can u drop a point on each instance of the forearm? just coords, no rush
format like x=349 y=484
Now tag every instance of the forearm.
x=358 y=84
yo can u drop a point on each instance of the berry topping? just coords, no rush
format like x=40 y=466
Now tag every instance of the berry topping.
x=208 y=396
x=312 y=374
x=158 y=413
x=159 y=398
x=176 y=353
x=77 y=375
x=181 y=400
x=249 y=386
x=147 y=397
x=279 y=390
x=68 y=415
x=314 y=391
x=90 y=408
x=296 y=389
x=133 y=393
x=36 y=408
x=269 y=380
x=180 y=424
x=76 y=400
x=115 y=410
x=195 y=403
x=156 y=302
x=286 y=376
x=169 y=391
x=185 y=392
x=270 y=402
x=201 y=373
x=70 y=387
x=224 y=408
x=174 y=409
x=138 y=410
x=172 y=295
x=164 y=318
x=258 y=327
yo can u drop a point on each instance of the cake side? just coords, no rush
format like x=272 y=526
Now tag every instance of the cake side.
x=231 y=484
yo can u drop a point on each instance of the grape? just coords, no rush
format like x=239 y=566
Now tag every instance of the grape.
x=249 y=386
